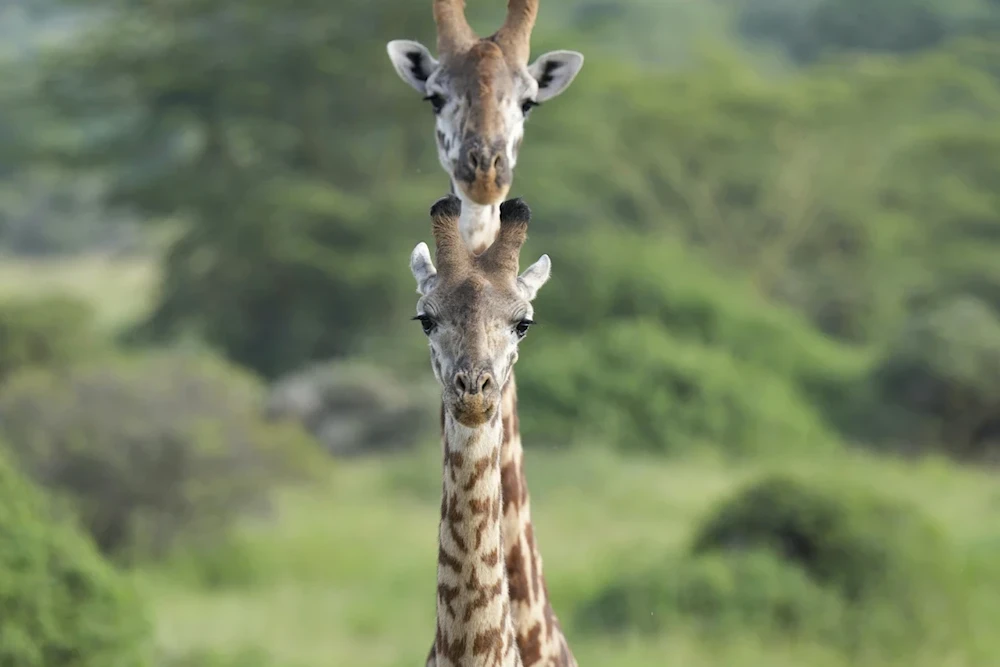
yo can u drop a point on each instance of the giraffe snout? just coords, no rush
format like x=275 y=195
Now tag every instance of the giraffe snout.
x=475 y=396
x=483 y=170
x=471 y=384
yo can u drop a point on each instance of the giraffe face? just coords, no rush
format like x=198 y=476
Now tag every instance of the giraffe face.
x=475 y=310
x=481 y=98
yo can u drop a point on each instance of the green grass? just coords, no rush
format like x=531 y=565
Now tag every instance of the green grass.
x=344 y=573
x=118 y=288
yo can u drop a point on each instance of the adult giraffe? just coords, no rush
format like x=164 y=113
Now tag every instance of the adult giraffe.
x=474 y=311
x=481 y=91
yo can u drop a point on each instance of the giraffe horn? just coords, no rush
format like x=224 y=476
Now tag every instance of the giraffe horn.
x=514 y=36
x=451 y=253
x=453 y=31
x=502 y=257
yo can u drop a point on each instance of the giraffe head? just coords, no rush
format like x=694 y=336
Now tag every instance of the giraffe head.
x=475 y=309
x=481 y=92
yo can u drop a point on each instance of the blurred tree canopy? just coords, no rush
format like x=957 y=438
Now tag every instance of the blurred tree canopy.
x=276 y=143
x=745 y=228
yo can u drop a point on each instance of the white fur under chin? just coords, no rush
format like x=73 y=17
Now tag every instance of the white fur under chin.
x=470 y=438
x=478 y=224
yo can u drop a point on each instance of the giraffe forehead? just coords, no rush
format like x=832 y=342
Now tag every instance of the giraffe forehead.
x=483 y=76
x=478 y=298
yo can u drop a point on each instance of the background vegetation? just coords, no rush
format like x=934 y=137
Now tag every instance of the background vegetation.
x=762 y=406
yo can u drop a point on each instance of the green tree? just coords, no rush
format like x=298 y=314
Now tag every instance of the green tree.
x=278 y=145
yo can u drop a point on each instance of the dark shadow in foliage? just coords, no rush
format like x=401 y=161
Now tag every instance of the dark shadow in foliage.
x=151 y=451
x=354 y=408
x=61 y=603
x=939 y=384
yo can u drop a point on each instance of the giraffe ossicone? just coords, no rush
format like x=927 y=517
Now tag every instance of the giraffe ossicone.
x=481 y=91
x=474 y=310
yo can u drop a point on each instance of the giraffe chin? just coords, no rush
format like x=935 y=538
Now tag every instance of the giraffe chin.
x=473 y=412
x=485 y=191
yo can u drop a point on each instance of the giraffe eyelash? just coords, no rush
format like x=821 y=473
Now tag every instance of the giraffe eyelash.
x=437 y=102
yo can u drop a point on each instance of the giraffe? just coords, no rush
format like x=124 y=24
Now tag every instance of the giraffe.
x=481 y=92
x=474 y=309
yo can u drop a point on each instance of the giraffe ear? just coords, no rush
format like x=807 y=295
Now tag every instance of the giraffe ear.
x=554 y=71
x=423 y=269
x=413 y=62
x=534 y=277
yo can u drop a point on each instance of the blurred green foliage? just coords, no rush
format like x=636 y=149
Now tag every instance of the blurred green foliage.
x=879 y=555
x=62 y=604
x=841 y=565
x=636 y=388
x=941 y=382
x=738 y=248
x=849 y=538
x=48 y=332
x=151 y=451
x=725 y=594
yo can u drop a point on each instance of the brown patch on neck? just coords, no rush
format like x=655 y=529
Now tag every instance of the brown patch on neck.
x=468 y=629
x=530 y=645
x=448 y=649
x=540 y=638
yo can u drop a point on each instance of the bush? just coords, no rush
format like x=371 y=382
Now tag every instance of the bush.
x=752 y=591
x=150 y=450
x=637 y=388
x=789 y=559
x=355 y=408
x=62 y=604
x=42 y=332
x=939 y=385
x=876 y=554
x=624 y=276
x=668 y=350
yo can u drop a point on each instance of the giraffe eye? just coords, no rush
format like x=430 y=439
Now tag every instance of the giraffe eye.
x=528 y=105
x=521 y=328
x=437 y=102
x=426 y=323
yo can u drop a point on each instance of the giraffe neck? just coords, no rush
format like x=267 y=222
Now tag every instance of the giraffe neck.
x=474 y=625
x=478 y=224
x=540 y=638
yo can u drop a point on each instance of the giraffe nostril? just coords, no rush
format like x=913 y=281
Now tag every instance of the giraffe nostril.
x=485 y=382
x=460 y=383
x=498 y=162
x=474 y=160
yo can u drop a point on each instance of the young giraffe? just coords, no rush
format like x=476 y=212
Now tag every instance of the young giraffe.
x=481 y=91
x=474 y=311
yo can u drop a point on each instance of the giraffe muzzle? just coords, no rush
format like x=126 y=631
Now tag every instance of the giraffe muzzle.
x=474 y=397
x=483 y=171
